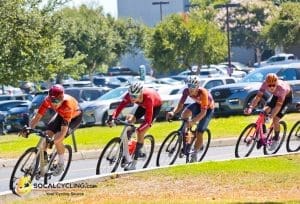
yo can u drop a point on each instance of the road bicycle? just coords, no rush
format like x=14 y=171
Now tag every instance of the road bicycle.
x=258 y=134
x=293 y=139
x=36 y=166
x=179 y=143
x=122 y=148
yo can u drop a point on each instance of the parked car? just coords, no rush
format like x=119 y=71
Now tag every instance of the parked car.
x=238 y=66
x=106 y=81
x=74 y=83
x=17 y=117
x=16 y=97
x=113 y=71
x=233 y=98
x=86 y=93
x=281 y=58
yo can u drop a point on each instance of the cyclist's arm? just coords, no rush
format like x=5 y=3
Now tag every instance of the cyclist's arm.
x=35 y=120
x=256 y=99
x=178 y=108
x=121 y=106
x=180 y=105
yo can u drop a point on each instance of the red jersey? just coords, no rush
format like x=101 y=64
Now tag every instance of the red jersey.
x=68 y=110
x=203 y=98
x=151 y=99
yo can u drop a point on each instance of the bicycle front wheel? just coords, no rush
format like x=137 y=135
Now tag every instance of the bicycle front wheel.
x=110 y=157
x=293 y=140
x=246 y=141
x=27 y=165
x=273 y=146
x=53 y=164
x=169 y=149
x=147 y=150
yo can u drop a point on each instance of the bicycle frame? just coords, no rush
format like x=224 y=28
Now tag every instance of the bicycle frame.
x=259 y=127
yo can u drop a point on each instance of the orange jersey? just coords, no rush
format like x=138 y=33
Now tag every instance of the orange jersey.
x=203 y=98
x=68 y=110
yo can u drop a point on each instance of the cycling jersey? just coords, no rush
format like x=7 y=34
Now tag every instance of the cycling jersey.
x=151 y=99
x=68 y=110
x=281 y=91
x=203 y=98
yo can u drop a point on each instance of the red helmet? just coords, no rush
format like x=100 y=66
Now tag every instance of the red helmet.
x=56 y=91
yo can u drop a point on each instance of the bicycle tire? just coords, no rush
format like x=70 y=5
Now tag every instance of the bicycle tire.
x=53 y=159
x=267 y=151
x=246 y=140
x=293 y=138
x=165 y=148
x=13 y=179
x=205 y=147
x=148 y=149
x=114 y=159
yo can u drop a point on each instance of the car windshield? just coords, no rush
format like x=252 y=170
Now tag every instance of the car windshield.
x=259 y=74
x=115 y=93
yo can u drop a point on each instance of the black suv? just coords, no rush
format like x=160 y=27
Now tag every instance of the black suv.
x=233 y=98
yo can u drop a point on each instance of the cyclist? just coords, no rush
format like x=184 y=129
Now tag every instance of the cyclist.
x=67 y=118
x=276 y=106
x=149 y=104
x=201 y=111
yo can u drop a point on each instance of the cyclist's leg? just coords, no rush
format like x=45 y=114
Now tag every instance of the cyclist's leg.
x=201 y=127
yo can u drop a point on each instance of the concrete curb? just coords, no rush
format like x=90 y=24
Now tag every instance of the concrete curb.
x=93 y=154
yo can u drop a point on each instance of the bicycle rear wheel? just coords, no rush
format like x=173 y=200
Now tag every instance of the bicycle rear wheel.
x=52 y=165
x=205 y=146
x=293 y=140
x=246 y=141
x=147 y=150
x=268 y=149
x=27 y=165
x=169 y=149
x=110 y=157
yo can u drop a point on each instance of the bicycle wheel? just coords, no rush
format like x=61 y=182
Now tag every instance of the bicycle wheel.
x=293 y=140
x=169 y=149
x=271 y=147
x=246 y=141
x=110 y=157
x=53 y=162
x=27 y=165
x=206 y=142
x=148 y=149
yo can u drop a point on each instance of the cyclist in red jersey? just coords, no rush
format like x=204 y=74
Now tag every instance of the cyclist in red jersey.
x=67 y=118
x=282 y=95
x=201 y=111
x=149 y=105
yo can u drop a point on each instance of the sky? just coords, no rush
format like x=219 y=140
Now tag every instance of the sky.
x=109 y=6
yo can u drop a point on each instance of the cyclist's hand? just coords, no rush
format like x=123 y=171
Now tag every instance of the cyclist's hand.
x=110 y=121
x=169 y=115
x=25 y=131
x=247 y=111
x=130 y=118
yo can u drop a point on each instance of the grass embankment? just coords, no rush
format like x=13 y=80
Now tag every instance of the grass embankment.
x=97 y=137
x=273 y=179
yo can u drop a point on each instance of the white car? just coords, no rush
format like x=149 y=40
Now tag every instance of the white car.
x=281 y=58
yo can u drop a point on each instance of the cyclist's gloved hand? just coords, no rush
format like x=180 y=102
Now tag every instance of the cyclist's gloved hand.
x=248 y=111
x=169 y=115
x=110 y=121
x=25 y=131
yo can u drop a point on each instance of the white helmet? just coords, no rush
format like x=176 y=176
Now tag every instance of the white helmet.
x=135 y=88
x=193 y=81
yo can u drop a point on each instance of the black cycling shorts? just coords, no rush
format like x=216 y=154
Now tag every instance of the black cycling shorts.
x=273 y=100
x=55 y=124
x=140 y=112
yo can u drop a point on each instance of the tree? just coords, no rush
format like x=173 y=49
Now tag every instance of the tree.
x=284 y=30
x=183 y=41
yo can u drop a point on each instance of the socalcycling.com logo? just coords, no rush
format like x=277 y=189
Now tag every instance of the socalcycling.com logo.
x=54 y=186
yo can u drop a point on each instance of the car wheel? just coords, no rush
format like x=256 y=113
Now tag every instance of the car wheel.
x=104 y=118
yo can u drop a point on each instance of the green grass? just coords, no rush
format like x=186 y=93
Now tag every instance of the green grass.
x=258 y=180
x=97 y=137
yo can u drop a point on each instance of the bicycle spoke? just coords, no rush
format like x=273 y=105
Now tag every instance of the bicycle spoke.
x=146 y=152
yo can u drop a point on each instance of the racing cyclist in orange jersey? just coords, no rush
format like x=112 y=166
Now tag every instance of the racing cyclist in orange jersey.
x=277 y=105
x=149 y=105
x=67 y=118
x=201 y=111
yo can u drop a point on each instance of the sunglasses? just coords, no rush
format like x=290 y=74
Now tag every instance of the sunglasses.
x=55 y=101
x=191 y=86
x=271 y=85
x=134 y=96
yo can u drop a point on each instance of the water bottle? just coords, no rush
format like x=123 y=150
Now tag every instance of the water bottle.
x=131 y=146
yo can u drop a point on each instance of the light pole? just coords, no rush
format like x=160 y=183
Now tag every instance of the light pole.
x=227 y=6
x=160 y=3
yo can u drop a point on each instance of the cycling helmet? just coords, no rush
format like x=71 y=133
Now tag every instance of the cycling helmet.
x=56 y=91
x=193 y=81
x=271 y=78
x=135 y=88
x=24 y=186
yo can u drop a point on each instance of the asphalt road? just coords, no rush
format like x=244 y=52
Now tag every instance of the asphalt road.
x=87 y=167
